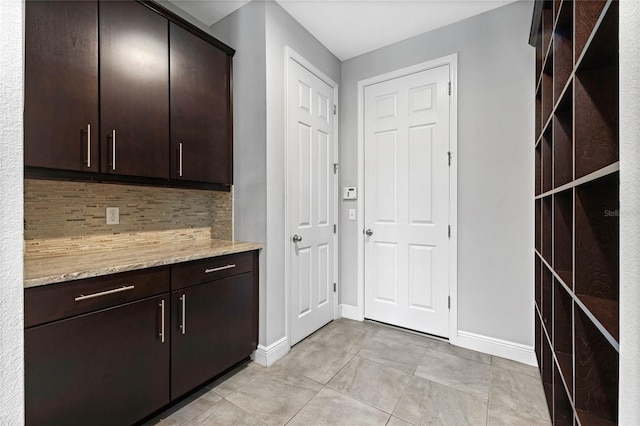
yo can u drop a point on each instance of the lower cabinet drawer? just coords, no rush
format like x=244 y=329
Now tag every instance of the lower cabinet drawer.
x=201 y=271
x=105 y=368
x=57 y=301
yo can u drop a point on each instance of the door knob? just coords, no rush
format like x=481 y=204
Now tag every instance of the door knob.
x=369 y=232
x=297 y=238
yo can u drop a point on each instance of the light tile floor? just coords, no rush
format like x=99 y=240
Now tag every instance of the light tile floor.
x=362 y=373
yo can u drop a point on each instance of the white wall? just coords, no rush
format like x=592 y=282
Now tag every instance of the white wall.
x=495 y=165
x=11 y=213
x=260 y=31
x=629 y=213
x=244 y=30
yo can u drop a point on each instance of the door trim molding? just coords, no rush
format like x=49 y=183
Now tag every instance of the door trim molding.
x=452 y=61
x=292 y=55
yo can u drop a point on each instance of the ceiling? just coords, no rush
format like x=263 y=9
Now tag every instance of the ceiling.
x=350 y=28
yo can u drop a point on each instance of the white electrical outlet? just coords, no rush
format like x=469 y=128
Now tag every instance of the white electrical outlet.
x=113 y=215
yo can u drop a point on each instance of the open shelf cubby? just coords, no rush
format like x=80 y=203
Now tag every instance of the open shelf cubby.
x=596 y=377
x=538 y=336
x=538 y=171
x=538 y=226
x=563 y=48
x=547 y=299
x=596 y=104
x=547 y=373
x=577 y=203
x=547 y=25
x=547 y=89
x=562 y=409
x=563 y=140
x=597 y=249
x=538 y=123
x=547 y=248
x=563 y=332
x=587 y=13
x=547 y=159
x=538 y=278
x=563 y=235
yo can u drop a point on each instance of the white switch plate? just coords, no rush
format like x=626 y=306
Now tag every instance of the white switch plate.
x=352 y=214
x=113 y=215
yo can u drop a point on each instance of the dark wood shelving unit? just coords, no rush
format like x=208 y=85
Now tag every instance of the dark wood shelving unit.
x=576 y=201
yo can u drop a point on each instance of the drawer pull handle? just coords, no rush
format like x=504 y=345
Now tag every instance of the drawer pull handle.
x=221 y=268
x=104 y=293
x=113 y=149
x=162 y=321
x=183 y=325
x=180 y=159
x=88 y=146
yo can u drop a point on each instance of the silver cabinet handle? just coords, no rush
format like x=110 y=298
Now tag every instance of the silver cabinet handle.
x=162 y=321
x=297 y=238
x=180 y=159
x=183 y=326
x=369 y=232
x=113 y=149
x=221 y=268
x=88 y=146
x=104 y=293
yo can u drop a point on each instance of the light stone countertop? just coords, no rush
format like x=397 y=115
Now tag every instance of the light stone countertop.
x=42 y=270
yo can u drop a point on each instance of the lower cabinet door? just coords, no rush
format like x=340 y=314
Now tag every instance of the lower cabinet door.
x=212 y=329
x=104 y=368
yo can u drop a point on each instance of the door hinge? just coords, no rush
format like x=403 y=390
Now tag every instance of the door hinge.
x=449 y=231
x=335 y=168
x=335 y=109
x=334 y=287
x=449 y=154
x=449 y=302
x=335 y=228
x=449 y=88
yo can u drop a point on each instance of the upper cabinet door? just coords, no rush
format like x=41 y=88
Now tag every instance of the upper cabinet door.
x=201 y=140
x=61 y=85
x=134 y=90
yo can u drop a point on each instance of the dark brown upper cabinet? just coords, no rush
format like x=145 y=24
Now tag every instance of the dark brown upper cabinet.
x=201 y=143
x=134 y=90
x=61 y=85
x=126 y=90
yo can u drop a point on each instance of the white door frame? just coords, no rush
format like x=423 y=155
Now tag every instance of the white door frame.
x=452 y=61
x=292 y=55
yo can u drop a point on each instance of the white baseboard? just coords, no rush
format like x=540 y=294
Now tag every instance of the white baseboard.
x=502 y=348
x=267 y=355
x=349 y=312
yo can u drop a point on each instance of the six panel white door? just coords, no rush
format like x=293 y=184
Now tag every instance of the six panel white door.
x=407 y=201
x=311 y=201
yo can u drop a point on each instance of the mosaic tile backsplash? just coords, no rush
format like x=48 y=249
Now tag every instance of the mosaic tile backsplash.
x=62 y=216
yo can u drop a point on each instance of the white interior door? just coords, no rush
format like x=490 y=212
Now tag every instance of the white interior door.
x=406 y=145
x=311 y=201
